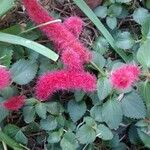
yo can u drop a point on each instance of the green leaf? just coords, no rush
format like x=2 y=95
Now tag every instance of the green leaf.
x=49 y=124
x=89 y=121
x=11 y=130
x=55 y=136
x=79 y=95
x=29 y=114
x=133 y=106
x=3 y=113
x=101 y=11
x=114 y=10
x=23 y=71
x=144 y=89
x=6 y=54
x=41 y=110
x=98 y=59
x=8 y=38
x=146 y=30
x=96 y=113
x=101 y=45
x=144 y=137
x=111 y=22
x=54 y=108
x=6 y=5
x=20 y=137
x=76 y=109
x=104 y=88
x=124 y=40
x=88 y=12
x=9 y=92
x=69 y=141
x=143 y=54
x=140 y=15
x=104 y=132
x=86 y=134
x=112 y=113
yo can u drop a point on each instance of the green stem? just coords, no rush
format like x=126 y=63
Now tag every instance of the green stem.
x=99 y=69
x=90 y=14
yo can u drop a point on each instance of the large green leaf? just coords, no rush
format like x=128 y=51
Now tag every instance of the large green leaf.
x=104 y=132
x=20 y=137
x=41 y=110
x=76 y=109
x=69 y=141
x=13 y=39
x=143 y=54
x=133 y=106
x=23 y=71
x=96 y=113
x=86 y=134
x=3 y=113
x=6 y=5
x=112 y=113
x=104 y=88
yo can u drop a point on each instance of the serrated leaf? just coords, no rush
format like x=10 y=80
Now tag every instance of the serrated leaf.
x=86 y=134
x=79 y=95
x=98 y=59
x=96 y=113
x=41 y=110
x=89 y=121
x=76 y=109
x=55 y=136
x=20 y=137
x=114 y=10
x=3 y=113
x=54 y=108
x=133 y=106
x=11 y=130
x=143 y=54
x=23 y=71
x=9 y=92
x=104 y=88
x=140 y=15
x=29 y=114
x=124 y=40
x=145 y=138
x=6 y=54
x=104 y=132
x=112 y=113
x=50 y=123
x=123 y=1
x=111 y=22
x=69 y=141
x=101 y=45
x=101 y=11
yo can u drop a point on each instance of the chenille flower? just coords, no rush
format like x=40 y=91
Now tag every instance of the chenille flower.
x=54 y=81
x=5 y=78
x=14 y=103
x=125 y=76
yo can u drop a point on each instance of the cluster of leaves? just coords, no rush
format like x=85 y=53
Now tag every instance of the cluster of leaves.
x=107 y=117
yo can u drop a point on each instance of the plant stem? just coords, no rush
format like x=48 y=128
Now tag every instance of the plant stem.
x=99 y=69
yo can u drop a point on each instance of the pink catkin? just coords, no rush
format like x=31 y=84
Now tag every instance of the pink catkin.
x=74 y=25
x=51 y=82
x=125 y=76
x=56 y=32
x=5 y=78
x=14 y=103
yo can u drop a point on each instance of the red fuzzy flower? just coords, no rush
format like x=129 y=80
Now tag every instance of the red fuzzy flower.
x=5 y=78
x=51 y=82
x=74 y=25
x=14 y=103
x=56 y=32
x=125 y=76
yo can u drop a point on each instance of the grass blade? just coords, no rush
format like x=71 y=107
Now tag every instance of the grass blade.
x=90 y=14
x=13 y=39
